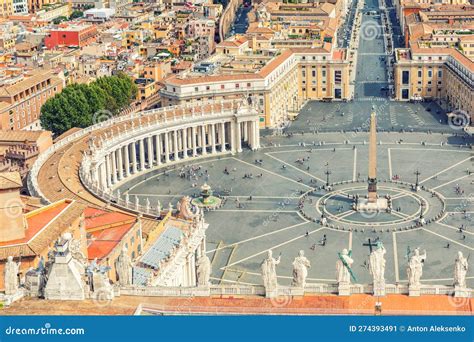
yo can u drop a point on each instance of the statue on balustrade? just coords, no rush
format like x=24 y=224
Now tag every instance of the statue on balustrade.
x=203 y=271
x=460 y=271
x=415 y=268
x=300 y=270
x=269 y=271
x=343 y=267
x=124 y=268
x=377 y=264
x=11 y=276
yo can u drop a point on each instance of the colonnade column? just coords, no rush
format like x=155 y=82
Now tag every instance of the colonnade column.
x=232 y=137
x=150 y=151
x=193 y=136
x=108 y=171
x=185 y=143
x=127 y=160
x=213 y=138
x=167 y=148
x=222 y=137
x=245 y=129
x=239 y=137
x=257 y=134
x=113 y=161
x=120 y=163
x=103 y=175
x=203 y=139
x=175 y=145
x=158 y=149
x=142 y=154
x=134 y=157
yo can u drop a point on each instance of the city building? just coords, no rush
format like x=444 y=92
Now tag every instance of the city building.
x=71 y=36
x=20 y=103
x=280 y=83
x=435 y=73
x=6 y=8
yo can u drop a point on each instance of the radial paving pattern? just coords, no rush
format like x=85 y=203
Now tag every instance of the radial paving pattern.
x=265 y=191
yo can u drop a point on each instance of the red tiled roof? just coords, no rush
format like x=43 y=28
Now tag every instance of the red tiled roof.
x=102 y=242
x=105 y=230
x=97 y=218
x=39 y=219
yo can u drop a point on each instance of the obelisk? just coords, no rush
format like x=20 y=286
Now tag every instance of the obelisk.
x=372 y=180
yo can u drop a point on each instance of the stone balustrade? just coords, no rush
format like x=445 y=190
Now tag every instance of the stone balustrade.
x=132 y=144
x=249 y=290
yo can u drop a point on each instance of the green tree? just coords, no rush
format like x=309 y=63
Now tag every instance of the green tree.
x=78 y=104
x=76 y=14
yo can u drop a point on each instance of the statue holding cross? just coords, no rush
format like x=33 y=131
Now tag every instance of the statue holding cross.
x=343 y=267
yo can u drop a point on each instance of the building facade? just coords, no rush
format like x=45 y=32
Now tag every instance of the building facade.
x=20 y=103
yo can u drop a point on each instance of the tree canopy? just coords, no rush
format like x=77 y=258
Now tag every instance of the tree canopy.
x=81 y=105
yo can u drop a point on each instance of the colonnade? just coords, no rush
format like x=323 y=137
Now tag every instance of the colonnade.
x=174 y=144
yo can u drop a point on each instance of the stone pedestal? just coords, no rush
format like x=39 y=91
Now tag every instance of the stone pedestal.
x=414 y=291
x=461 y=292
x=344 y=289
x=271 y=292
x=379 y=290
x=381 y=204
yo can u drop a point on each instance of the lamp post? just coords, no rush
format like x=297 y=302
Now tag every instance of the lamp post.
x=327 y=173
x=417 y=182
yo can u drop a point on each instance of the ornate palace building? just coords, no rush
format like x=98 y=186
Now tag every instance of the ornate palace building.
x=279 y=81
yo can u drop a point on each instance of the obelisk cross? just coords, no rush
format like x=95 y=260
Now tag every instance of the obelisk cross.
x=372 y=180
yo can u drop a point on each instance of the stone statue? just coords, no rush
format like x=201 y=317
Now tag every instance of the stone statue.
x=269 y=271
x=415 y=268
x=460 y=270
x=343 y=267
x=203 y=271
x=11 y=276
x=377 y=264
x=124 y=268
x=300 y=270
x=76 y=251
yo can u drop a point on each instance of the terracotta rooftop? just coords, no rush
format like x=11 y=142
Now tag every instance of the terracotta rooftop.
x=322 y=304
x=105 y=230
x=44 y=226
x=10 y=180
x=21 y=136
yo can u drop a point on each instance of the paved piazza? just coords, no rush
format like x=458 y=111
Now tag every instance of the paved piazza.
x=274 y=197
x=243 y=230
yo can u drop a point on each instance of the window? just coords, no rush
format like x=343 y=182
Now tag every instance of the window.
x=222 y=86
x=430 y=73
x=196 y=89
x=405 y=94
x=248 y=85
x=405 y=77
x=313 y=73
x=440 y=73
x=419 y=73
x=237 y=85
x=337 y=77
x=208 y=88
